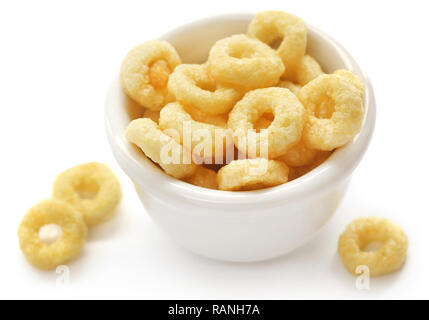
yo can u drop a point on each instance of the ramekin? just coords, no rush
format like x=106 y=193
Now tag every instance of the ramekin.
x=239 y=226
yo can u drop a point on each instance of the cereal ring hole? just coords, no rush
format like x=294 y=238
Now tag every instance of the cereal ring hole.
x=50 y=233
x=207 y=85
x=325 y=109
x=87 y=189
x=159 y=72
x=264 y=121
x=275 y=44
x=372 y=246
x=242 y=51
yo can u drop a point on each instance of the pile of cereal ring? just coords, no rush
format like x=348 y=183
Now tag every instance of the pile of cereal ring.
x=248 y=105
x=53 y=231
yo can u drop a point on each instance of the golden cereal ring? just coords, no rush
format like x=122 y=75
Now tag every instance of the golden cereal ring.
x=307 y=69
x=151 y=114
x=220 y=120
x=194 y=87
x=203 y=177
x=335 y=112
x=67 y=247
x=290 y=85
x=244 y=62
x=252 y=174
x=286 y=127
x=202 y=135
x=157 y=145
x=145 y=72
x=273 y=26
x=353 y=79
x=92 y=188
x=364 y=231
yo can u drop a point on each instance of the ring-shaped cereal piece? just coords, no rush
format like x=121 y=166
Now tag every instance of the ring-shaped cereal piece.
x=145 y=72
x=252 y=174
x=299 y=155
x=284 y=131
x=203 y=135
x=307 y=69
x=158 y=146
x=194 y=87
x=273 y=26
x=340 y=103
x=92 y=188
x=243 y=62
x=364 y=231
x=67 y=247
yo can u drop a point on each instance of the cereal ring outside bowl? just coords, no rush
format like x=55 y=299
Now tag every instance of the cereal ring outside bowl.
x=92 y=188
x=67 y=247
x=364 y=231
x=244 y=62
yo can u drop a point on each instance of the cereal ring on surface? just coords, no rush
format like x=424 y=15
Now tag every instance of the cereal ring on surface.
x=290 y=85
x=243 y=62
x=202 y=135
x=252 y=174
x=272 y=27
x=335 y=112
x=193 y=86
x=67 y=247
x=151 y=114
x=353 y=79
x=203 y=177
x=307 y=69
x=156 y=145
x=92 y=188
x=365 y=231
x=286 y=127
x=145 y=72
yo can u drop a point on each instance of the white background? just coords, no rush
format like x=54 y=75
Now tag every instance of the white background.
x=57 y=59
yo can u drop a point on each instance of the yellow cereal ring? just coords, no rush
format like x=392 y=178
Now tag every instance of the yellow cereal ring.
x=151 y=114
x=193 y=86
x=353 y=79
x=220 y=120
x=290 y=85
x=307 y=69
x=327 y=130
x=156 y=145
x=252 y=174
x=202 y=135
x=286 y=127
x=145 y=72
x=364 y=231
x=243 y=62
x=273 y=26
x=92 y=188
x=67 y=247
x=299 y=155
x=203 y=177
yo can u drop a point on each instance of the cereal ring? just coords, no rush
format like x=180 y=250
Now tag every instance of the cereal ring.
x=252 y=174
x=286 y=127
x=299 y=155
x=365 y=231
x=145 y=72
x=92 y=188
x=202 y=135
x=244 y=62
x=219 y=120
x=335 y=112
x=203 y=177
x=67 y=247
x=290 y=85
x=272 y=27
x=151 y=114
x=307 y=69
x=193 y=86
x=353 y=79
x=156 y=145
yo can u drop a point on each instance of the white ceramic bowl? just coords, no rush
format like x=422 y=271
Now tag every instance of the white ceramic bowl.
x=239 y=226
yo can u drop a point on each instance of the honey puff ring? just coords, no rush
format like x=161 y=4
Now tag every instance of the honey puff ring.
x=67 y=247
x=92 y=188
x=145 y=72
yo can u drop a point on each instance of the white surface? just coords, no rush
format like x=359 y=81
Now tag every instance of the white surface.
x=247 y=226
x=56 y=63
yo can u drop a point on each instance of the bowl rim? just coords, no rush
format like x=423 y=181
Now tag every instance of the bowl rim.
x=337 y=168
